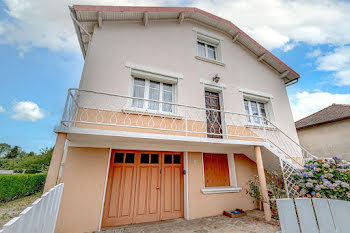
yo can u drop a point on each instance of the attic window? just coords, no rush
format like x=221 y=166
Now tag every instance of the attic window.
x=208 y=47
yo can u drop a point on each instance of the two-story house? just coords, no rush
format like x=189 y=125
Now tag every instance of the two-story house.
x=176 y=110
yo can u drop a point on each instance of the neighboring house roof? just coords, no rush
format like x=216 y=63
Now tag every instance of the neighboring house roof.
x=89 y=16
x=335 y=112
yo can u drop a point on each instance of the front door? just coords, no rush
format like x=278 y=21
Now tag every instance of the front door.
x=212 y=104
x=147 y=188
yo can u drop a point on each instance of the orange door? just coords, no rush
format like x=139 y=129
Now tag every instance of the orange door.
x=143 y=186
x=119 y=200
x=172 y=201
x=147 y=195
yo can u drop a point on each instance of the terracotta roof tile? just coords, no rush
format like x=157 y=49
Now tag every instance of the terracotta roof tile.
x=335 y=112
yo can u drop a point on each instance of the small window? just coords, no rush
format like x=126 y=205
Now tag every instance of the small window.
x=167 y=159
x=118 y=157
x=154 y=158
x=257 y=109
x=146 y=90
x=144 y=158
x=129 y=158
x=177 y=159
x=216 y=170
x=207 y=50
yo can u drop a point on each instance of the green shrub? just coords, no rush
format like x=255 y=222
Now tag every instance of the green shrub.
x=18 y=170
x=326 y=178
x=31 y=171
x=16 y=186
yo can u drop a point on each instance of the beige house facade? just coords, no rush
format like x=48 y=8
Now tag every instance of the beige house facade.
x=176 y=110
x=327 y=132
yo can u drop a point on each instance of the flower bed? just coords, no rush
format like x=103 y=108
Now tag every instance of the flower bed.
x=324 y=178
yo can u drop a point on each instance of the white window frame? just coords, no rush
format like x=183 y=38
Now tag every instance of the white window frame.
x=146 y=100
x=206 y=49
x=251 y=117
x=212 y=39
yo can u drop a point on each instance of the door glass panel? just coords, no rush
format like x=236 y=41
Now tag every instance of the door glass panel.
x=130 y=158
x=167 y=159
x=177 y=159
x=118 y=157
x=154 y=158
x=144 y=158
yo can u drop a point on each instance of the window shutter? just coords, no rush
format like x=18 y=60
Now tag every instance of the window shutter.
x=216 y=170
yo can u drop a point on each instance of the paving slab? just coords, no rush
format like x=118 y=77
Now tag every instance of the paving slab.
x=252 y=223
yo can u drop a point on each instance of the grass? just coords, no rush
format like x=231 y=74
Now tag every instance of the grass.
x=12 y=209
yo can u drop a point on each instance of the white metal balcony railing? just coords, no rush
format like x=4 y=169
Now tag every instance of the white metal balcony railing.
x=89 y=109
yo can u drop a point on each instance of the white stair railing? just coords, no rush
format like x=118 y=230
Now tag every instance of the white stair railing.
x=291 y=154
x=40 y=217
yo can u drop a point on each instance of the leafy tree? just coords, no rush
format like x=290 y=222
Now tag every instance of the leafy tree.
x=4 y=149
x=13 y=153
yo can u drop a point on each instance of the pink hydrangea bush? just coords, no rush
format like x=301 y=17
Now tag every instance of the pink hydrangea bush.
x=324 y=178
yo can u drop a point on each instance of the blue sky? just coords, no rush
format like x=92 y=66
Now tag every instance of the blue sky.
x=40 y=57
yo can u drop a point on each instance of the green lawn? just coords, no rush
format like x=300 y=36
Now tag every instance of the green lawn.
x=12 y=209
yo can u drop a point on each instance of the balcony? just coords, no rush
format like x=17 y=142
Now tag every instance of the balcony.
x=96 y=110
x=92 y=110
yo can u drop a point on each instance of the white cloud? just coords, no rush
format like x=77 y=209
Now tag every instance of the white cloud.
x=314 y=53
x=338 y=62
x=274 y=23
x=313 y=21
x=2 y=109
x=27 y=111
x=268 y=37
x=47 y=23
x=306 y=103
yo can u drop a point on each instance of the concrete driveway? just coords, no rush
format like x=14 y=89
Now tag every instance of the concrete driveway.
x=253 y=222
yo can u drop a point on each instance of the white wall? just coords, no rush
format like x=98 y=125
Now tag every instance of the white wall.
x=172 y=47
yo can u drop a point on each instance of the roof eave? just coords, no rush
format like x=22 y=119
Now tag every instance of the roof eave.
x=322 y=123
x=289 y=79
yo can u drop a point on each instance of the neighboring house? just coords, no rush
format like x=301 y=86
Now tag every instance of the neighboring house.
x=327 y=132
x=174 y=108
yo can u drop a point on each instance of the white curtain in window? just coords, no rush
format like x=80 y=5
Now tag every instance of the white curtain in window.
x=167 y=97
x=139 y=92
x=154 y=93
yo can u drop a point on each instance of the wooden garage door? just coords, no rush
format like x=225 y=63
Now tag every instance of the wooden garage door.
x=143 y=186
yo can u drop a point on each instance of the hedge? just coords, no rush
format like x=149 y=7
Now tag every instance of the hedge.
x=16 y=186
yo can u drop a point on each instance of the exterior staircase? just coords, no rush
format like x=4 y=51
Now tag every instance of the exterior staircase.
x=292 y=155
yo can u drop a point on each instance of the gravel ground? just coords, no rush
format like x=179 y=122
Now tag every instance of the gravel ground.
x=12 y=209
